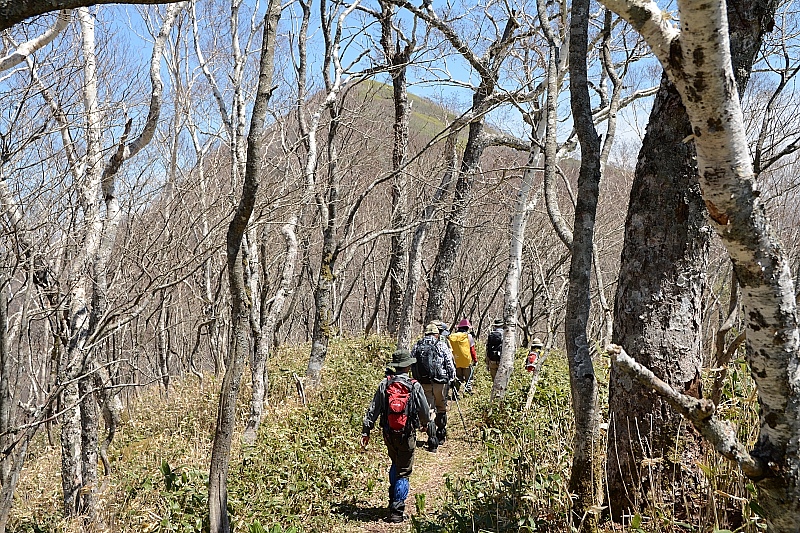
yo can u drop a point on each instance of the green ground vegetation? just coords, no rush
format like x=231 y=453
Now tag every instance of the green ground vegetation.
x=502 y=469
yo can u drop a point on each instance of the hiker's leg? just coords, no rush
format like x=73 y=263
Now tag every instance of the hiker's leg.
x=440 y=394
x=391 y=449
x=441 y=427
x=493 y=365
x=468 y=381
x=402 y=466
x=427 y=388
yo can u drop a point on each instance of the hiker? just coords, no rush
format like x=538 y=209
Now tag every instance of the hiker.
x=435 y=371
x=401 y=406
x=494 y=346
x=464 y=355
x=533 y=355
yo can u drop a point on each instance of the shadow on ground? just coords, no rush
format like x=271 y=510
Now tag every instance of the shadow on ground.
x=360 y=514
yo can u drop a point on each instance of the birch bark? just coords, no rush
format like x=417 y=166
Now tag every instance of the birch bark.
x=697 y=59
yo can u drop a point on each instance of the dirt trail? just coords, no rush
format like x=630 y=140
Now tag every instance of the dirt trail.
x=455 y=456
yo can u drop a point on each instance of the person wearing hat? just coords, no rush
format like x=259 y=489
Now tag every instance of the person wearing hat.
x=399 y=426
x=494 y=346
x=464 y=354
x=533 y=355
x=434 y=370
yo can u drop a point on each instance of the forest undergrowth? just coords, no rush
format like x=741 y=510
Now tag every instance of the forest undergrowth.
x=502 y=469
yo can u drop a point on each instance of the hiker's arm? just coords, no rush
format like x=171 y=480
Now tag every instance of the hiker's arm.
x=373 y=412
x=472 y=351
x=423 y=409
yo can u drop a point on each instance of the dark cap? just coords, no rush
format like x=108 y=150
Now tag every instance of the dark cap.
x=401 y=358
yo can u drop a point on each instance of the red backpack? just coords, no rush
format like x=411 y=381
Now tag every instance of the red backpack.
x=400 y=405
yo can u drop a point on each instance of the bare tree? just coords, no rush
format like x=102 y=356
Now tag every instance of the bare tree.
x=239 y=344
x=586 y=475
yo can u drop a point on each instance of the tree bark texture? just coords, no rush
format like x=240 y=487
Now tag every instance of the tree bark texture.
x=323 y=316
x=260 y=378
x=657 y=315
x=697 y=59
x=89 y=449
x=659 y=296
x=240 y=305
x=397 y=58
x=586 y=475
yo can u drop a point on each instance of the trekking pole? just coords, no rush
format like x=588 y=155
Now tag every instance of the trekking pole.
x=469 y=378
x=458 y=405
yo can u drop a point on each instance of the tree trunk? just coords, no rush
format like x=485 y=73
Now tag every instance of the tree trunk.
x=89 y=449
x=511 y=297
x=323 y=313
x=450 y=244
x=398 y=257
x=260 y=377
x=240 y=305
x=70 y=449
x=163 y=346
x=659 y=296
x=737 y=214
x=586 y=475
x=544 y=127
x=657 y=316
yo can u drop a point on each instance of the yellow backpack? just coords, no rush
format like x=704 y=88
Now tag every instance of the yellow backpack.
x=459 y=343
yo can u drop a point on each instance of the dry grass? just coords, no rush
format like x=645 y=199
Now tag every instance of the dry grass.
x=326 y=482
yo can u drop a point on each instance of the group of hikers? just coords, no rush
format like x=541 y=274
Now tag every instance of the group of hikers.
x=441 y=363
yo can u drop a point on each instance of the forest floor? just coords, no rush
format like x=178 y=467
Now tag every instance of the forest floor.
x=502 y=469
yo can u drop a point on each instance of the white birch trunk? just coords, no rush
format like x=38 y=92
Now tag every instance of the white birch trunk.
x=511 y=297
x=264 y=342
x=697 y=60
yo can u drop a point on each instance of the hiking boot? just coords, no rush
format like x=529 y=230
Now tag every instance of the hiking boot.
x=433 y=444
x=393 y=518
x=396 y=512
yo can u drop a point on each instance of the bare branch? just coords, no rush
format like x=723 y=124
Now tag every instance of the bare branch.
x=15 y=11
x=700 y=412
x=27 y=48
